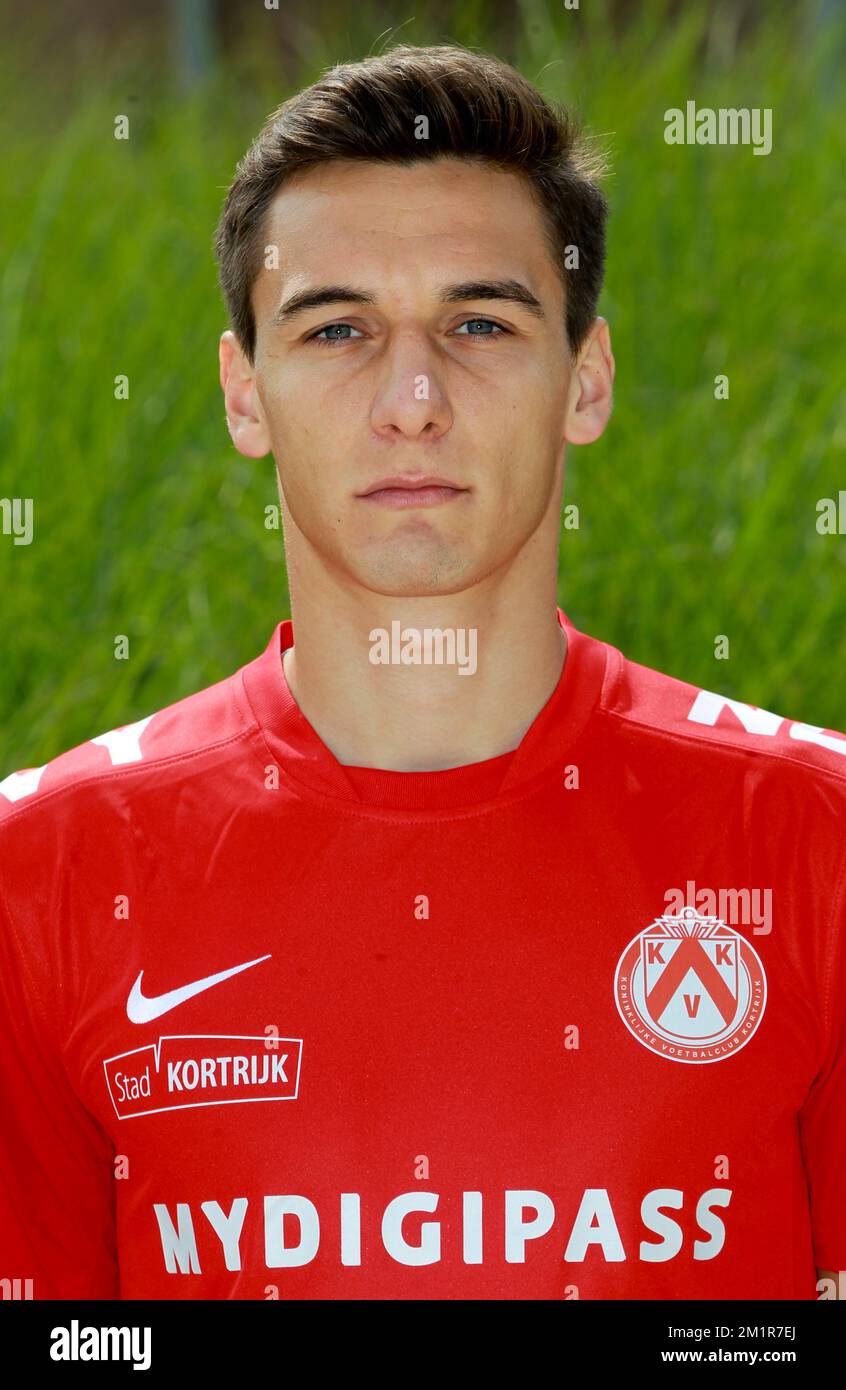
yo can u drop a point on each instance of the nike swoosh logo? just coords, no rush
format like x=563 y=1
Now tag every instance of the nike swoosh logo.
x=143 y=1010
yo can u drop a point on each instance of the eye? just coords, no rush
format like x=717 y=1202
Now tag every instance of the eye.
x=480 y=328
x=338 y=333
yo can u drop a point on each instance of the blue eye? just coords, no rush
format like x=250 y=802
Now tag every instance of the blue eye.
x=339 y=333
x=343 y=332
x=478 y=328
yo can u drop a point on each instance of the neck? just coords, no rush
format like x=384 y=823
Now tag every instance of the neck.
x=423 y=717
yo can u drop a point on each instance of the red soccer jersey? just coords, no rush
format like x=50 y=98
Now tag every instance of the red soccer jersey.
x=565 y=1023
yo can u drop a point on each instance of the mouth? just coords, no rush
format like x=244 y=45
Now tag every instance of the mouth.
x=413 y=492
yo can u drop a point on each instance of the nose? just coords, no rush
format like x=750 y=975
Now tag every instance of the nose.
x=411 y=401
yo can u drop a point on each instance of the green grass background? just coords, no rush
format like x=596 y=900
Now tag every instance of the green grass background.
x=698 y=517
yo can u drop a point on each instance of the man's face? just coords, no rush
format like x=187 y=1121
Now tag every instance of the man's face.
x=432 y=375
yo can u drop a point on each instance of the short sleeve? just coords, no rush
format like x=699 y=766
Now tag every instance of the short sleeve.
x=57 y=1223
x=822 y=1125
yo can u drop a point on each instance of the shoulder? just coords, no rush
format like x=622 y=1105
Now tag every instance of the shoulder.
x=144 y=751
x=659 y=710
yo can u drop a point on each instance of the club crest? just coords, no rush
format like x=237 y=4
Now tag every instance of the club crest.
x=690 y=988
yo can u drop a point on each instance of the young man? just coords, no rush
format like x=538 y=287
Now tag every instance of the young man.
x=441 y=952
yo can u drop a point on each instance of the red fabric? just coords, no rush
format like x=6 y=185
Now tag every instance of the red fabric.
x=453 y=964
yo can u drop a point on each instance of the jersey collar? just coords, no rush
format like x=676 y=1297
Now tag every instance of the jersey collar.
x=545 y=746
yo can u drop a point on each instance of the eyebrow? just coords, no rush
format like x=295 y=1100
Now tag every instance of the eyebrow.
x=511 y=291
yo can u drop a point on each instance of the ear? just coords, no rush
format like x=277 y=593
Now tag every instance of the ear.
x=591 y=397
x=244 y=414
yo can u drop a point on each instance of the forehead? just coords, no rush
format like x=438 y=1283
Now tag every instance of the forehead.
x=431 y=221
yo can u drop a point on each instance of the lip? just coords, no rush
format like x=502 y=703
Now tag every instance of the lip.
x=420 y=491
x=401 y=497
x=409 y=483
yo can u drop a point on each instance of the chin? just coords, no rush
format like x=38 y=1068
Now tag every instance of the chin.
x=405 y=570
x=416 y=581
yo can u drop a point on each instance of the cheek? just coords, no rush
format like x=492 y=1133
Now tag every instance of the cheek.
x=308 y=463
x=528 y=467
x=291 y=426
x=309 y=421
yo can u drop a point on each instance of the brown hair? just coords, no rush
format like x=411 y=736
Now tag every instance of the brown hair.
x=476 y=106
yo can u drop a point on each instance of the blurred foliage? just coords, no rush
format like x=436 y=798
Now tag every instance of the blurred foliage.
x=698 y=516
